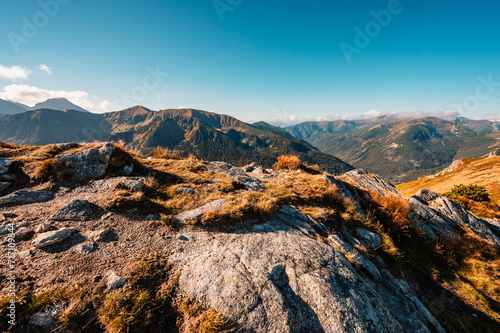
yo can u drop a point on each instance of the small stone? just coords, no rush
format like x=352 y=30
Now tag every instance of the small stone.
x=128 y=169
x=44 y=227
x=85 y=248
x=26 y=197
x=3 y=186
x=370 y=239
x=5 y=165
x=114 y=281
x=151 y=217
x=107 y=215
x=23 y=233
x=185 y=190
x=99 y=235
x=74 y=210
x=9 y=215
x=52 y=237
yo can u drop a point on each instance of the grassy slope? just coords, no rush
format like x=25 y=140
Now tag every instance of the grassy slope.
x=480 y=171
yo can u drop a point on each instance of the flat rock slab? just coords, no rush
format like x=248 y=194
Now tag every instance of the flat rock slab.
x=371 y=182
x=74 y=210
x=101 y=185
x=250 y=183
x=195 y=214
x=26 y=197
x=4 y=165
x=52 y=237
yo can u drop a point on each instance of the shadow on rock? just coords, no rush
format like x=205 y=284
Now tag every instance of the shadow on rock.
x=301 y=317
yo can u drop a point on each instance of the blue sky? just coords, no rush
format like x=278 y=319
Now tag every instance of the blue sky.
x=255 y=60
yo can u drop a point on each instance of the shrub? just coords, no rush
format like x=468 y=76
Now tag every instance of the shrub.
x=472 y=192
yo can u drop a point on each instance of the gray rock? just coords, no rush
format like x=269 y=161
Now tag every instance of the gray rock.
x=52 y=237
x=250 y=183
x=434 y=213
x=9 y=215
x=114 y=281
x=101 y=185
x=26 y=197
x=48 y=317
x=360 y=260
x=495 y=153
x=371 y=182
x=74 y=210
x=5 y=164
x=370 y=239
x=276 y=278
x=23 y=233
x=88 y=164
x=333 y=181
x=7 y=177
x=4 y=185
x=43 y=227
x=185 y=190
x=151 y=217
x=99 y=235
x=128 y=169
x=85 y=248
x=195 y=214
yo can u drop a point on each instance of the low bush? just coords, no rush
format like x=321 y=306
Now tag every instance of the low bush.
x=472 y=192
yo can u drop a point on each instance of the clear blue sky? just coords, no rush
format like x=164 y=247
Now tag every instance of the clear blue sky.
x=265 y=59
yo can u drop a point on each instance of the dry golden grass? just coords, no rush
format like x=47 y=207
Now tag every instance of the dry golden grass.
x=482 y=171
x=291 y=162
x=165 y=153
x=200 y=320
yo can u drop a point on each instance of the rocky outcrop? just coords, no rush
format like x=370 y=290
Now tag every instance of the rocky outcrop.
x=88 y=164
x=52 y=237
x=25 y=197
x=435 y=214
x=495 y=153
x=333 y=181
x=74 y=210
x=4 y=165
x=371 y=182
x=277 y=277
x=250 y=183
x=101 y=185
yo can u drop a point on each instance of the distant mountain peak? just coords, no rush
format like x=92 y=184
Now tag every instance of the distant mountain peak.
x=59 y=103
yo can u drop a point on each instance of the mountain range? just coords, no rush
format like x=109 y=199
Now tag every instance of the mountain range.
x=400 y=149
x=206 y=135
x=8 y=107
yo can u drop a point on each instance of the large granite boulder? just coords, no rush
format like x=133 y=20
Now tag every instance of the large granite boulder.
x=88 y=164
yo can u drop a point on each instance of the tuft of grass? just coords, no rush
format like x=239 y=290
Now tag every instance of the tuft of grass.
x=291 y=162
x=148 y=294
x=201 y=320
x=52 y=170
x=165 y=153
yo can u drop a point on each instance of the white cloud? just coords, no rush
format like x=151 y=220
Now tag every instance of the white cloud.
x=46 y=69
x=448 y=114
x=14 y=72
